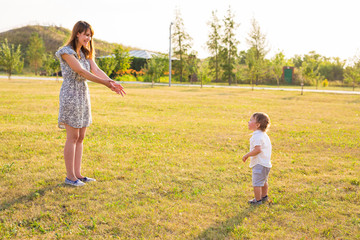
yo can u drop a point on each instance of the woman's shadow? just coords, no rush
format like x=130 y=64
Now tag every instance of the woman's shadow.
x=29 y=197
x=221 y=230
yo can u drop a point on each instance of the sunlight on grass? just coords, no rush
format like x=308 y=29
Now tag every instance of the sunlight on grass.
x=168 y=165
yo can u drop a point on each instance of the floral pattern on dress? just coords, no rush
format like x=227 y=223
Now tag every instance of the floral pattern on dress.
x=75 y=107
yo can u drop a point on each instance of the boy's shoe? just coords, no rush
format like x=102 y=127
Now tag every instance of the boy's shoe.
x=87 y=179
x=76 y=183
x=265 y=199
x=254 y=202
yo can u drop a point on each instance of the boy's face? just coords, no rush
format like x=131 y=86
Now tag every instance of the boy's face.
x=253 y=125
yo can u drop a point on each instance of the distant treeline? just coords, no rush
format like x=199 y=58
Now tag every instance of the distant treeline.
x=34 y=48
x=228 y=64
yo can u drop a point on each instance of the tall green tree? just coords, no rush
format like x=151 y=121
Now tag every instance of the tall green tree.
x=257 y=42
x=352 y=72
x=51 y=64
x=55 y=66
x=297 y=60
x=11 y=58
x=352 y=75
x=182 y=43
x=310 y=68
x=47 y=60
x=35 y=52
x=277 y=63
x=107 y=64
x=192 y=63
x=332 y=69
x=229 y=49
x=156 y=67
x=123 y=59
x=203 y=72
x=251 y=64
x=214 y=44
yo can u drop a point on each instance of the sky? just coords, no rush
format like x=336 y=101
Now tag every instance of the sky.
x=329 y=27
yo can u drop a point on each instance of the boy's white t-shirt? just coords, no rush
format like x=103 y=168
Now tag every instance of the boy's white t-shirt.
x=260 y=138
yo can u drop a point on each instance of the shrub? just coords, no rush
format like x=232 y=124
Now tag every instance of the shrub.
x=126 y=78
x=325 y=83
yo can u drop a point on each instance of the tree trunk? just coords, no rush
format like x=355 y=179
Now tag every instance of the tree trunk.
x=216 y=68
x=181 y=68
x=229 y=67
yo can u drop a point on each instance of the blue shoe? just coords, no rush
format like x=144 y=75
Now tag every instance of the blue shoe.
x=265 y=199
x=76 y=183
x=87 y=179
x=254 y=202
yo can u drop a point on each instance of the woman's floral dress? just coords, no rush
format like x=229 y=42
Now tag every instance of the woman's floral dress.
x=75 y=107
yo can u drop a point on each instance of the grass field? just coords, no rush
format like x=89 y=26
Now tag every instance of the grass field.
x=168 y=165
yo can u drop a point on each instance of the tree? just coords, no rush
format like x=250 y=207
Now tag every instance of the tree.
x=47 y=60
x=229 y=50
x=250 y=62
x=257 y=42
x=156 y=66
x=352 y=72
x=332 y=69
x=192 y=66
x=107 y=64
x=297 y=60
x=277 y=64
x=352 y=75
x=51 y=64
x=182 y=44
x=310 y=68
x=123 y=60
x=10 y=58
x=35 y=52
x=204 y=72
x=55 y=66
x=213 y=44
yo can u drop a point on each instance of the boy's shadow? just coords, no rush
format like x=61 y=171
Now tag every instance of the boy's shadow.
x=29 y=197
x=221 y=230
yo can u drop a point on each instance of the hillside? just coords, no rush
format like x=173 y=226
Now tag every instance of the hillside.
x=53 y=37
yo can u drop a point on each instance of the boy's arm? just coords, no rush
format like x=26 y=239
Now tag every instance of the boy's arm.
x=252 y=153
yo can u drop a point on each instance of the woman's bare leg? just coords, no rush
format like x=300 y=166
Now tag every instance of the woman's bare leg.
x=72 y=136
x=78 y=152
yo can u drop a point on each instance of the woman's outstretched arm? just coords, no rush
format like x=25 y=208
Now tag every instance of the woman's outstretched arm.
x=76 y=67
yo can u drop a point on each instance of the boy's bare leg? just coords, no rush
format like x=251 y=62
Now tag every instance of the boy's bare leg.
x=264 y=190
x=257 y=193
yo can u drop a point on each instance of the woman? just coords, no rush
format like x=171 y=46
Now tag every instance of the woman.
x=78 y=65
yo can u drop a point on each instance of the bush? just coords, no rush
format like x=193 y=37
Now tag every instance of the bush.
x=325 y=83
x=126 y=78
x=140 y=79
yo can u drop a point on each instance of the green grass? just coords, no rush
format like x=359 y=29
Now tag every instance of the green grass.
x=168 y=165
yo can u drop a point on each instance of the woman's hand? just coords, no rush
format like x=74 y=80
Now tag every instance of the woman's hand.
x=116 y=87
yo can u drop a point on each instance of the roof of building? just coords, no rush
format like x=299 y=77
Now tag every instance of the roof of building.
x=142 y=54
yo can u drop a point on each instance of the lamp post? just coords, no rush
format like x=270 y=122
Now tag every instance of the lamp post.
x=170 y=54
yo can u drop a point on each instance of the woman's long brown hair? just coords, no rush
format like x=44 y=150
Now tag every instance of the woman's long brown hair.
x=80 y=27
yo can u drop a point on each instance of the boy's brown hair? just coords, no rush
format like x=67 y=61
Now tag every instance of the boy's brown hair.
x=263 y=119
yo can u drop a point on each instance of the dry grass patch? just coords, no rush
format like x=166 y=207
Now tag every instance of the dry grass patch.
x=168 y=165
